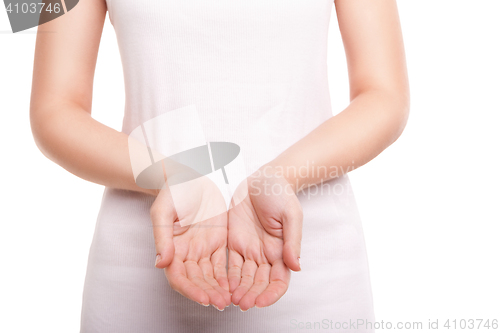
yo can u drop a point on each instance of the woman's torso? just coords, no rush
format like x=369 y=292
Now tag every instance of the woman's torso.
x=256 y=74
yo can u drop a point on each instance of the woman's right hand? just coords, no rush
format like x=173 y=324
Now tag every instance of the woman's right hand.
x=193 y=256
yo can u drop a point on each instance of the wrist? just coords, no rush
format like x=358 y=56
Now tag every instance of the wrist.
x=273 y=170
x=289 y=173
x=153 y=192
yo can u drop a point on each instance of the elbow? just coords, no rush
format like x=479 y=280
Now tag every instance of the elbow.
x=388 y=105
x=389 y=110
x=396 y=111
x=37 y=130
x=43 y=130
x=55 y=128
x=400 y=114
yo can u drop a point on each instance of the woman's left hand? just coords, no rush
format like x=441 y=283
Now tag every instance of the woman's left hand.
x=264 y=235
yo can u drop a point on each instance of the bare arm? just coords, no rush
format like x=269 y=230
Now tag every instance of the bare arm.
x=379 y=93
x=67 y=134
x=61 y=100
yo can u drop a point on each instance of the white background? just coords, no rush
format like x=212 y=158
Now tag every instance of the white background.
x=429 y=203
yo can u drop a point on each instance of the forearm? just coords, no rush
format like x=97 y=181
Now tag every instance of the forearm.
x=372 y=122
x=69 y=136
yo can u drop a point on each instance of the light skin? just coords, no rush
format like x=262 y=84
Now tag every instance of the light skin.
x=264 y=235
x=193 y=255
x=263 y=232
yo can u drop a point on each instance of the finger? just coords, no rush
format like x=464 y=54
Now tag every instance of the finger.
x=195 y=275
x=235 y=263
x=247 y=277
x=176 y=276
x=292 y=235
x=260 y=284
x=163 y=215
x=218 y=260
x=208 y=274
x=279 y=280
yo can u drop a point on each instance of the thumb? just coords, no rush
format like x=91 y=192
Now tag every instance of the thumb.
x=292 y=236
x=163 y=215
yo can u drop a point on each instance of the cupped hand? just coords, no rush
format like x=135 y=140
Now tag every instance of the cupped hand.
x=264 y=236
x=193 y=255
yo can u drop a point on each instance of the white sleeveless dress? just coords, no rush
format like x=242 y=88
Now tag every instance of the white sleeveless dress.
x=256 y=73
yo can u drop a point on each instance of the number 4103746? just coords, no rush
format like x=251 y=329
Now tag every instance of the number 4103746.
x=33 y=8
x=471 y=324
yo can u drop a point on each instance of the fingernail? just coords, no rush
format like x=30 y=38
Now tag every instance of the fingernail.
x=158 y=258
x=217 y=308
x=243 y=310
x=203 y=304
x=298 y=259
